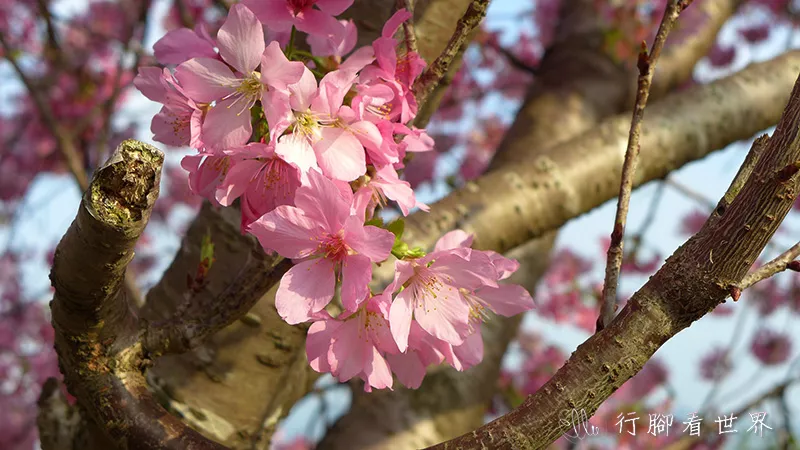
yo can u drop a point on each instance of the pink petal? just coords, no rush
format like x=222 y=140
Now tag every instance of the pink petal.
x=276 y=70
x=340 y=154
x=322 y=202
x=454 y=239
x=359 y=59
x=305 y=289
x=226 y=126
x=349 y=351
x=400 y=318
x=318 y=341
x=445 y=316
x=356 y=275
x=332 y=89
x=377 y=371
x=206 y=80
x=373 y=242
x=287 y=231
x=507 y=299
x=316 y=22
x=408 y=368
x=150 y=82
x=469 y=353
x=278 y=112
x=394 y=22
x=505 y=266
x=236 y=182
x=170 y=128
x=334 y=7
x=180 y=45
x=368 y=134
x=303 y=91
x=241 y=39
x=471 y=273
x=295 y=149
x=273 y=13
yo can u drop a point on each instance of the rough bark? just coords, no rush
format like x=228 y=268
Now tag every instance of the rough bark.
x=692 y=282
x=588 y=85
x=96 y=332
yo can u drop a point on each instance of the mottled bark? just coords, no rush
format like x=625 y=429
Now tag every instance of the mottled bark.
x=692 y=282
x=574 y=177
x=96 y=332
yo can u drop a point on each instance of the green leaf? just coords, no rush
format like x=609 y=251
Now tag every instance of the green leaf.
x=207 y=251
x=375 y=222
x=397 y=227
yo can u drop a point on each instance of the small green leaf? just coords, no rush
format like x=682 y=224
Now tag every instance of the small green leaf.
x=375 y=222
x=397 y=227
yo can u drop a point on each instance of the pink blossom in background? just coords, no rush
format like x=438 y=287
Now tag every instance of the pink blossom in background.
x=716 y=365
x=771 y=347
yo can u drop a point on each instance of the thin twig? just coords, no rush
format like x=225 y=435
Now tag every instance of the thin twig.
x=690 y=193
x=186 y=19
x=512 y=58
x=408 y=26
x=647 y=66
x=437 y=70
x=782 y=262
x=65 y=142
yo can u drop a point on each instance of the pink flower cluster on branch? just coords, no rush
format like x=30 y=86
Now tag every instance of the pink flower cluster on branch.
x=311 y=144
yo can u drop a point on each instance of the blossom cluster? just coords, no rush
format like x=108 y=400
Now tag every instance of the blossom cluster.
x=311 y=144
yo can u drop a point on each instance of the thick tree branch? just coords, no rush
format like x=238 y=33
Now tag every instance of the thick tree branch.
x=543 y=194
x=647 y=67
x=96 y=333
x=692 y=282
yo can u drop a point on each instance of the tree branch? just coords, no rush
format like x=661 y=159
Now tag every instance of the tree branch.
x=546 y=192
x=692 y=282
x=439 y=67
x=96 y=333
x=647 y=67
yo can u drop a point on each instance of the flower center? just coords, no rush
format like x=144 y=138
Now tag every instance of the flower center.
x=333 y=247
x=297 y=6
x=249 y=90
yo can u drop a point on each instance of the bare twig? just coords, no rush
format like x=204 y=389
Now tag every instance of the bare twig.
x=512 y=58
x=408 y=26
x=186 y=19
x=647 y=66
x=437 y=70
x=65 y=143
x=785 y=260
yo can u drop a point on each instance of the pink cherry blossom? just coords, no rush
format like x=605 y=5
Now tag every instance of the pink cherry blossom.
x=330 y=243
x=180 y=119
x=398 y=73
x=282 y=15
x=771 y=347
x=206 y=172
x=321 y=124
x=432 y=294
x=337 y=45
x=354 y=344
x=183 y=44
x=262 y=179
x=386 y=185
